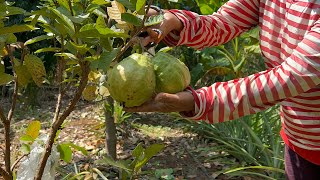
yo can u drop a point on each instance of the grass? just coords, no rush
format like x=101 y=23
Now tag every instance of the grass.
x=254 y=140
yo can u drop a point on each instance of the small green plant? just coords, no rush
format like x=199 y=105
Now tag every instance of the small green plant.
x=253 y=141
x=130 y=169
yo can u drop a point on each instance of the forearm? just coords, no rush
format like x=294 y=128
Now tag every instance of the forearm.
x=299 y=73
x=198 y=31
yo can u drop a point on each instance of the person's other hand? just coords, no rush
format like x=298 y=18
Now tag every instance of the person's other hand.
x=170 y=23
x=164 y=102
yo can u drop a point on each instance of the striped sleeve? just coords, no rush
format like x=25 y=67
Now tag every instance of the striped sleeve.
x=299 y=73
x=233 y=18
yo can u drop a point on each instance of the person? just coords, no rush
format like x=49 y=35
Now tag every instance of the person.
x=290 y=46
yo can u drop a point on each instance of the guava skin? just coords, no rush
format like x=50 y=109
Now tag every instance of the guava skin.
x=132 y=81
x=172 y=75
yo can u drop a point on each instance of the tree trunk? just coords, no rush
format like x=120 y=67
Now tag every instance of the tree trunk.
x=111 y=138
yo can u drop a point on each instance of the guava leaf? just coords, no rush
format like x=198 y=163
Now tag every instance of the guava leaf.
x=130 y=18
x=154 y=20
x=33 y=129
x=5 y=78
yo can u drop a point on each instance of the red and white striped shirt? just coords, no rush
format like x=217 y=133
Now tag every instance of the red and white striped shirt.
x=290 y=45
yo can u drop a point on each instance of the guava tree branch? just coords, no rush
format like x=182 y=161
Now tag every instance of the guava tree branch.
x=57 y=124
x=5 y=174
x=15 y=90
x=134 y=37
x=2 y=116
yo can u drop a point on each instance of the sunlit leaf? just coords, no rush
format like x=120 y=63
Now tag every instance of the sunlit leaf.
x=25 y=148
x=26 y=138
x=64 y=19
x=16 y=29
x=140 y=4
x=36 y=68
x=100 y=2
x=67 y=55
x=78 y=148
x=101 y=23
x=65 y=152
x=47 y=50
x=37 y=39
x=115 y=11
x=64 y=3
x=33 y=129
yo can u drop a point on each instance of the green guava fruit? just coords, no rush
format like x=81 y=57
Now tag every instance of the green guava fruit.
x=132 y=81
x=172 y=75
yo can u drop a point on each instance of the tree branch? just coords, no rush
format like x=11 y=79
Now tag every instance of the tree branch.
x=15 y=90
x=56 y=125
x=2 y=116
x=133 y=38
x=17 y=161
x=5 y=174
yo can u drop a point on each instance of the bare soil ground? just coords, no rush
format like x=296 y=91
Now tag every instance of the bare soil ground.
x=186 y=155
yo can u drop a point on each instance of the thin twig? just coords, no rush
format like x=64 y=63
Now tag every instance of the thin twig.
x=5 y=174
x=61 y=66
x=15 y=90
x=17 y=161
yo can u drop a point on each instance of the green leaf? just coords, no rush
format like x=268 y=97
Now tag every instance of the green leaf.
x=69 y=24
x=106 y=43
x=65 y=152
x=82 y=49
x=33 y=129
x=2 y=68
x=37 y=39
x=78 y=148
x=64 y=3
x=26 y=138
x=130 y=18
x=16 y=29
x=138 y=150
x=154 y=20
x=5 y=78
x=8 y=11
x=140 y=4
x=107 y=32
x=80 y=18
x=101 y=23
x=100 y=2
x=67 y=55
x=118 y=164
x=127 y=4
x=148 y=154
x=25 y=148
x=48 y=50
x=105 y=59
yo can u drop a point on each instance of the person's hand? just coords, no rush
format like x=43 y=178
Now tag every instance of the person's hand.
x=170 y=23
x=164 y=102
